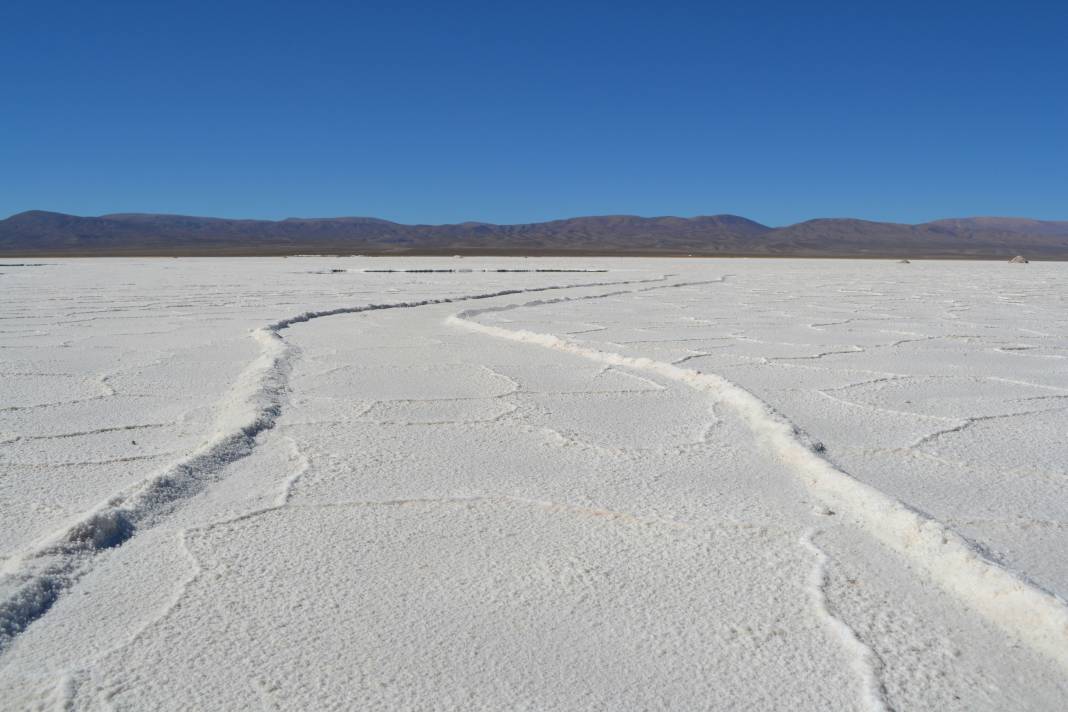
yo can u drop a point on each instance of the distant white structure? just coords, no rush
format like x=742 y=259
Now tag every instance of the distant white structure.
x=1018 y=260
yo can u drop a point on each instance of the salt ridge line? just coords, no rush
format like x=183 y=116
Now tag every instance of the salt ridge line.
x=1006 y=598
x=866 y=664
x=32 y=581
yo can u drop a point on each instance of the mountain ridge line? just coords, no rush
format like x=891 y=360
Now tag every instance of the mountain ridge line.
x=45 y=233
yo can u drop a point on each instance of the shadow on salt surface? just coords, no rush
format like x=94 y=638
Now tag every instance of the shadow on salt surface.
x=133 y=586
x=130 y=590
x=36 y=505
x=435 y=603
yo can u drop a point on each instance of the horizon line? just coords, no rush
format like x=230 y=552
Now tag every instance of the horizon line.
x=532 y=222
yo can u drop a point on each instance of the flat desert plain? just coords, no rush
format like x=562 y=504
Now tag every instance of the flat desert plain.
x=483 y=484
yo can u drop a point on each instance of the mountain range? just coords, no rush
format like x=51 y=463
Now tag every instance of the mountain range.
x=42 y=233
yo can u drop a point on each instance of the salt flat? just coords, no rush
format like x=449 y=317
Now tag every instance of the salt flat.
x=610 y=484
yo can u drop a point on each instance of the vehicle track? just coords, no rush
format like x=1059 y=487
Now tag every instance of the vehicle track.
x=33 y=580
x=1019 y=606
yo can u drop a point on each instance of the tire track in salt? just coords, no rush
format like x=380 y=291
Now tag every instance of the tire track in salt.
x=33 y=580
x=1017 y=605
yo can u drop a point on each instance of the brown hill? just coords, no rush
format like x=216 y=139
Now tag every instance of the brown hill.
x=1019 y=226
x=46 y=233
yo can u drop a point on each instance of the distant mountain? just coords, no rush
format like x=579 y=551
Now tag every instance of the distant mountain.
x=41 y=233
x=1020 y=226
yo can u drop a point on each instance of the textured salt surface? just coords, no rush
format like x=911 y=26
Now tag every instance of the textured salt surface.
x=723 y=484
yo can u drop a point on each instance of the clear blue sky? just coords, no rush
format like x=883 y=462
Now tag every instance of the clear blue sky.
x=513 y=112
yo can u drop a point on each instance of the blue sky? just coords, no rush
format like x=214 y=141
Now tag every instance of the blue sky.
x=515 y=112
